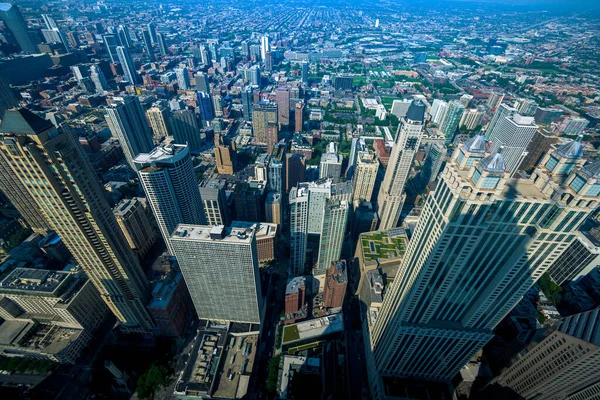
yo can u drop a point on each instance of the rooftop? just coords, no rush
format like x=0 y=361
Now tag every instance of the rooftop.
x=294 y=284
x=34 y=281
x=161 y=154
x=383 y=245
x=313 y=328
x=261 y=229
x=204 y=233
x=23 y=121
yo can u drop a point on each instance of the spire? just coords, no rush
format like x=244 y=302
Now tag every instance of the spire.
x=571 y=150
x=494 y=162
x=476 y=144
x=592 y=170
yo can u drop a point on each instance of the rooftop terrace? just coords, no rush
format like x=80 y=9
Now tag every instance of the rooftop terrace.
x=383 y=245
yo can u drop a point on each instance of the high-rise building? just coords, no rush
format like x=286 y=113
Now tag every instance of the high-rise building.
x=565 y=365
x=342 y=82
x=184 y=125
x=215 y=202
x=494 y=100
x=298 y=200
x=247 y=102
x=365 y=175
x=514 y=134
x=183 y=79
x=223 y=258
x=111 y=42
x=331 y=163
x=580 y=258
x=573 y=126
x=264 y=47
x=129 y=71
x=436 y=155
x=540 y=144
x=74 y=205
x=202 y=84
x=255 y=75
x=7 y=96
x=273 y=208
x=160 y=122
x=98 y=78
x=335 y=220
x=13 y=20
x=295 y=166
x=162 y=44
x=471 y=119
x=357 y=145
x=127 y=122
x=168 y=178
x=266 y=236
x=249 y=201
x=282 y=97
x=299 y=117
x=148 y=45
x=264 y=115
x=336 y=281
x=305 y=72
x=133 y=220
x=124 y=36
x=451 y=119
x=503 y=110
x=205 y=105
x=526 y=107
x=276 y=170
x=438 y=111
x=151 y=29
x=391 y=193
x=481 y=242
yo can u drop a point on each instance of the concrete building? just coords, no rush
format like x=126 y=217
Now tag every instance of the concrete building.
x=540 y=144
x=331 y=163
x=160 y=122
x=186 y=130
x=441 y=305
x=514 y=134
x=13 y=20
x=580 y=258
x=282 y=97
x=133 y=220
x=502 y=111
x=562 y=366
x=266 y=238
x=494 y=100
x=295 y=166
x=264 y=118
x=364 y=177
x=451 y=120
x=249 y=201
x=129 y=72
x=336 y=282
x=471 y=119
x=299 y=117
x=298 y=199
x=438 y=111
x=220 y=267
x=273 y=208
x=127 y=122
x=223 y=156
x=183 y=78
x=75 y=207
x=276 y=169
x=167 y=176
x=171 y=307
x=215 y=202
x=391 y=193
x=335 y=220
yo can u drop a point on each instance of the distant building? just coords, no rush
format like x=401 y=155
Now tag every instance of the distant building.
x=580 y=258
x=266 y=238
x=451 y=120
x=494 y=100
x=220 y=267
x=160 y=122
x=215 y=202
x=573 y=126
x=223 y=157
x=336 y=281
x=331 y=163
x=514 y=134
x=299 y=117
x=294 y=168
x=342 y=82
x=249 y=201
x=276 y=169
x=273 y=208
x=282 y=97
x=540 y=144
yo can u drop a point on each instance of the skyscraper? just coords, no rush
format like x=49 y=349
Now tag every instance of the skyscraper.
x=255 y=75
x=223 y=258
x=133 y=220
x=111 y=42
x=298 y=199
x=264 y=115
x=282 y=97
x=565 y=365
x=205 y=104
x=160 y=122
x=127 y=122
x=305 y=72
x=184 y=124
x=183 y=79
x=438 y=111
x=148 y=45
x=7 y=96
x=451 y=119
x=127 y=64
x=202 y=84
x=433 y=163
x=331 y=163
x=514 y=133
x=247 y=102
x=494 y=100
x=12 y=18
x=503 y=110
x=264 y=47
x=73 y=203
x=391 y=193
x=481 y=242
x=299 y=117
x=365 y=175
x=335 y=219
x=97 y=77
x=167 y=176
x=223 y=157
x=295 y=166
x=276 y=170
x=151 y=29
x=162 y=44
x=124 y=36
x=215 y=202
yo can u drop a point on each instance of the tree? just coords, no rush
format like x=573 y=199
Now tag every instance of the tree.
x=273 y=374
x=18 y=237
x=550 y=289
x=151 y=380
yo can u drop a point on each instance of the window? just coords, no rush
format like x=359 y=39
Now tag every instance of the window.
x=476 y=176
x=490 y=182
x=565 y=169
x=577 y=183
x=594 y=190
x=551 y=164
x=461 y=156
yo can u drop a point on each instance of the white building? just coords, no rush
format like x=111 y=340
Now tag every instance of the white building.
x=514 y=133
x=220 y=268
x=335 y=219
x=331 y=163
x=298 y=199
x=391 y=194
x=365 y=175
x=438 y=111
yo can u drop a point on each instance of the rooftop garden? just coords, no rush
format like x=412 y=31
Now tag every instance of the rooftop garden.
x=290 y=333
x=379 y=245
